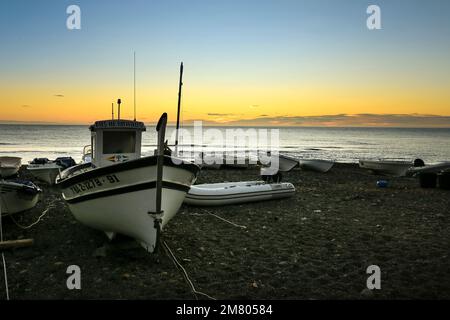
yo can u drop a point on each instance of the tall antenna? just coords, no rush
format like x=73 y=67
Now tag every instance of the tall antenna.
x=112 y=110
x=178 y=110
x=134 y=86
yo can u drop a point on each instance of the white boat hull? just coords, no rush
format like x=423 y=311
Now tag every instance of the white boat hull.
x=16 y=197
x=121 y=198
x=47 y=175
x=435 y=168
x=396 y=168
x=316 y=165
x=285 y=163
x=219 y=194
x=9 y=166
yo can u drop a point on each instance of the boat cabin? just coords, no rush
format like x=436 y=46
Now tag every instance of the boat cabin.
x=114 y=141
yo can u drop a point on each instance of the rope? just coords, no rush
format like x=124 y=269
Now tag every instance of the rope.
x=6 y=276
x=218 y=217
x=51 y=205
x=3 y=255
x=185 y=274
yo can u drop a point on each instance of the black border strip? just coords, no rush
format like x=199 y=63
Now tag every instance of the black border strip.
x=128 y=165
x=128 y=189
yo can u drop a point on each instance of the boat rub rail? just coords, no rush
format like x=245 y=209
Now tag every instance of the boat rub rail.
x=124 y=166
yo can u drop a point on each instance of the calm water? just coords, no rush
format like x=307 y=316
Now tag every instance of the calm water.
x=340 y=144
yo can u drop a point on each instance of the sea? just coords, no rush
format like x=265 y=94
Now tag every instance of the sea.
x=346 y=145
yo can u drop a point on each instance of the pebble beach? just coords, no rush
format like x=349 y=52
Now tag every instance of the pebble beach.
x=315 y=245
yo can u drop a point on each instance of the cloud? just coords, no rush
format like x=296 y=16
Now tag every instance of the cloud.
x=220 y=114
x=337 y=120
x=348 y=120
x=59 y=95
x=25 y=106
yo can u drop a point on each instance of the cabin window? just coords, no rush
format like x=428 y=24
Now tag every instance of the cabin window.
x=119 y=142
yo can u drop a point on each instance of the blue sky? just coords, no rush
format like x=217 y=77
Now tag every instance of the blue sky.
x=247 y=43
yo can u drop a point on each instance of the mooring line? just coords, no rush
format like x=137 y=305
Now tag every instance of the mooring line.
x=3 y=255
x=225 y=220
x=50 y=206
x=185 y=274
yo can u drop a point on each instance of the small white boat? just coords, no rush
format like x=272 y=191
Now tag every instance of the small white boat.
x=87 y=154
x=9 y=166
x=120 y=192
x=285 y=163
x=389 y=167
x=434 y=168
x=316 y=165
x=219 y=194
x=17 y=196
x=47 y=170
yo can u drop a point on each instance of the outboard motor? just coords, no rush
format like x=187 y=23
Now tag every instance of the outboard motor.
x=272 y=178
x=419 y=163
x=39 y=161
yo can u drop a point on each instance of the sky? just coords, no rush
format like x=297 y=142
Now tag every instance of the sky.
x=246 y=62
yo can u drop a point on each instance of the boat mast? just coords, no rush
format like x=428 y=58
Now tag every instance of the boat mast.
x=112 y=110
x=134 y=90
x=118 y=102
x=178 y=109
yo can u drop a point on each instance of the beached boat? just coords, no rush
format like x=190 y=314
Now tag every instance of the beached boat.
x=17 y=196
x=316 y=165
x=9 y=166
x=389 y=167
x=47 y=170
x=219 y=194
x=434 y=168
x=285 y=163
x=120 y=192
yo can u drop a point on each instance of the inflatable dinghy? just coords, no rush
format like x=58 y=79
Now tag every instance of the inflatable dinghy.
x=219 y=194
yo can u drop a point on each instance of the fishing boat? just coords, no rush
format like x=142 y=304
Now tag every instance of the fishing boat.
x=47 y=170
x=9 y=166
x=388 y=167
x=117 y=192
x=220 y=194
x=316 y=165
x=120 y=192
x=17 y=196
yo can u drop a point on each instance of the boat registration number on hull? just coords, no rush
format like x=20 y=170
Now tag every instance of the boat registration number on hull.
x=94 y=183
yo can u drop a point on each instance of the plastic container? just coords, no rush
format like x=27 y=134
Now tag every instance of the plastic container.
x=428 y=180
x=382 y=183
x=444 y=180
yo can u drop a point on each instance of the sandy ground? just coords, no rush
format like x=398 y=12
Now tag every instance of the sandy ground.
x=315 y=245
